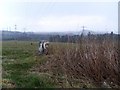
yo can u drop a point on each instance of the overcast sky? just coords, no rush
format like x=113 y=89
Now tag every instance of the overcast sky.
x=59 y=16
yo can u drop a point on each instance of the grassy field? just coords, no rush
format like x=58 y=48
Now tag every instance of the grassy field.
x=67 y=65
x=18 y=59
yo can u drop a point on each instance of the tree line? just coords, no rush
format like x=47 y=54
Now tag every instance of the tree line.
x=78 y=38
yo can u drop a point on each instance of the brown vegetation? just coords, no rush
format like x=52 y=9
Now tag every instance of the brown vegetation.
x=93 y=61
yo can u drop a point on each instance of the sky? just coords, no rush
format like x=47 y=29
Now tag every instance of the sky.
x=52 y=16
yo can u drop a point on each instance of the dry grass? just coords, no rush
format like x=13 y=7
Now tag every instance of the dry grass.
x=92 y=61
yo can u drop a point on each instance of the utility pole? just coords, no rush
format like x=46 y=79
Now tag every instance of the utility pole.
x=15 y=27
x=83 y=29
x=9 y=28
x=24 y=29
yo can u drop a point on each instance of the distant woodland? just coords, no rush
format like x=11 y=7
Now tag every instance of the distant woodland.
x=10 y=35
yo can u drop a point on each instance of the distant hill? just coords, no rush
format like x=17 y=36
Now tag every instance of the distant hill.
x=15 y=35
x=12 y=35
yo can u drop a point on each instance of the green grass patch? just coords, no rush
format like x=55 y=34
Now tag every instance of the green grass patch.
x=18 y=58
x=32 y=81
